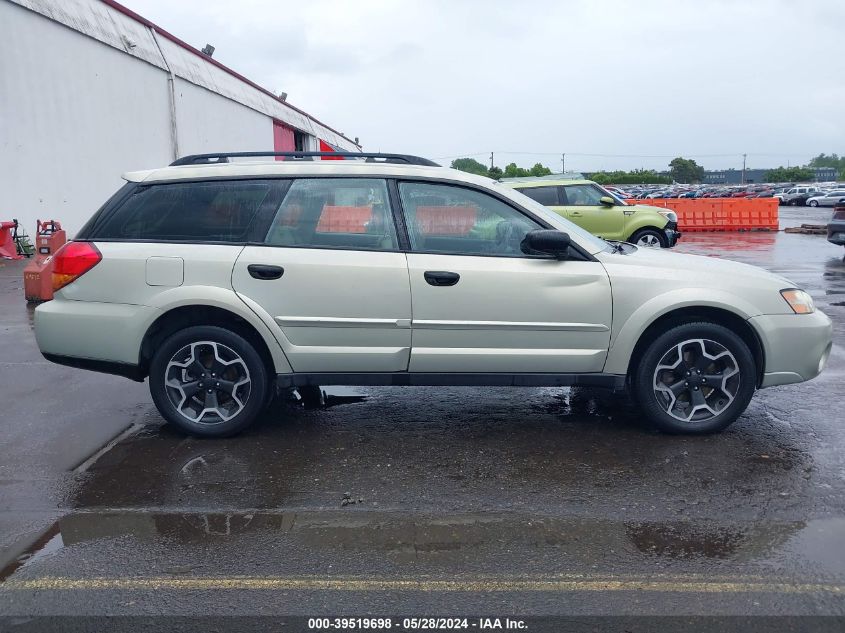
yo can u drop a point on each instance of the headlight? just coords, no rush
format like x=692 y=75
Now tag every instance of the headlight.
x=798 y=300
x=669 y=215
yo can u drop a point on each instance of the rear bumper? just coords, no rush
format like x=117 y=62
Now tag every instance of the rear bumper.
x=796 y=346
x=836 y=232
x=92 y=335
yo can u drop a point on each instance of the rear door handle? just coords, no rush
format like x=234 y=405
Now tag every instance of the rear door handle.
x=265 y=271
x=441 y=277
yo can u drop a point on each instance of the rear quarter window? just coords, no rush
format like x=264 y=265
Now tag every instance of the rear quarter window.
x=221 y=211
x=547 y=196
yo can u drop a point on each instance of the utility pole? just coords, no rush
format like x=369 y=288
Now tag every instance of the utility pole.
x=563 y=163
x=743 y=168
x=491 y=160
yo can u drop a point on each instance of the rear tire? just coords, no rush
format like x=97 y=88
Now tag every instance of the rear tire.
x=695 y=378
x=649 y=238
x=208 y=381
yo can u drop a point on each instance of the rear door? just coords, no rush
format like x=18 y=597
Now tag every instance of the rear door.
x=481 y=305
x=582 y=205
x=332 y=279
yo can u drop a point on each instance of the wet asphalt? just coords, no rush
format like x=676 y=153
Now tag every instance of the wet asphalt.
x=426 y=500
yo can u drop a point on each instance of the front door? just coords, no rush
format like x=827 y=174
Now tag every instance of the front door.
x=582 y=205
x=482 y=306
x=331 y=278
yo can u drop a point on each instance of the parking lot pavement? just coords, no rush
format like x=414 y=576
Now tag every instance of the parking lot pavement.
x=433 y=500
x=52 y=419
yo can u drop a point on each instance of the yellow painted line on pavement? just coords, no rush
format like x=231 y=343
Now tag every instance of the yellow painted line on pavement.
x=479 y=585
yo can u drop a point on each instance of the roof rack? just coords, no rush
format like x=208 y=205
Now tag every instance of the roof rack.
x=370 y=157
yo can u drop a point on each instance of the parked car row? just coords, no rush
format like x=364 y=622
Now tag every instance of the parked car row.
x=814 y=195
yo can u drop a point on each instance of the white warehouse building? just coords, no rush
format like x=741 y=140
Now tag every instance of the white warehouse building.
x=89 y=90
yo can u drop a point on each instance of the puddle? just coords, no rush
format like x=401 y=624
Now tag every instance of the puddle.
x=402 y=538
x=48 y=543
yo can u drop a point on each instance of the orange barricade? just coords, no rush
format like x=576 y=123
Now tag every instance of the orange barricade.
x=344 y=219
x=720 y=214
x=457 y=220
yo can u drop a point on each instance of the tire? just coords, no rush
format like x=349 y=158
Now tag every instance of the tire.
x=684 y=408
x=813 y=203
x=654 y=237
x=181 y=372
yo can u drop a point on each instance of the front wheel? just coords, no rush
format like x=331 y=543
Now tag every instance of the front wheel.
x=695 y=378
x=649 y=238
x=208 y=381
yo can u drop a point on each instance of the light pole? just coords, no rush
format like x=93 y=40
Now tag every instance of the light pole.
x=743 y=168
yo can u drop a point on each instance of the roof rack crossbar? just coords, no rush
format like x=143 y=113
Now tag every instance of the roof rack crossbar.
x=370 y=157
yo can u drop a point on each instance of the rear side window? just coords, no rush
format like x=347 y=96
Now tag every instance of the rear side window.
x=547 y=196
x=219 y=211
x=350 y=213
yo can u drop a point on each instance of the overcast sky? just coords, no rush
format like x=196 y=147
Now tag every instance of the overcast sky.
x=615 y=84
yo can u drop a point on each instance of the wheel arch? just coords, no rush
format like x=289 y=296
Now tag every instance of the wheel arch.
x=710 y=314
x=181 y=317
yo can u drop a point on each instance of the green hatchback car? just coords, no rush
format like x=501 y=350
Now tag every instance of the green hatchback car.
x=595 y=209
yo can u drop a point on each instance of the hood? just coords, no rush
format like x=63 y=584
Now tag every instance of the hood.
x=698 y=266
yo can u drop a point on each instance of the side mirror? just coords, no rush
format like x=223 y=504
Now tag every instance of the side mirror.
x=554 y=243
x=607 y=201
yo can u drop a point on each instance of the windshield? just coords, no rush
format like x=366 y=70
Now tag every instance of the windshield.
x=586 y=239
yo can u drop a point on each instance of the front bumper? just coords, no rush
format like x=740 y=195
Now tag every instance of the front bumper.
x=836 y=232
x=672 y=234
x=796 y=346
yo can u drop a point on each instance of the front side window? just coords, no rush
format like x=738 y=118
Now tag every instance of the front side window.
x=219 y=211
x=582 y=195
x=457 y=220
x=349 y=213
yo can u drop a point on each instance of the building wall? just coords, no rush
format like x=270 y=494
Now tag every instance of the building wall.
x=74 y=115
x=85 y=95
x=206 y=121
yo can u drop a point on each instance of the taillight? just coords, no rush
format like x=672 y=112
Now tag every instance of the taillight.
x=73 y=260
x=839 y=213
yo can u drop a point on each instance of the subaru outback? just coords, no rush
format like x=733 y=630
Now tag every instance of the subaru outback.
x=222 y=281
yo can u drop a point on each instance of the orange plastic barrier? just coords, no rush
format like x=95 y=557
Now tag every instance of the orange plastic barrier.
x=457 y=220
x=344 y=219
x=720 y=214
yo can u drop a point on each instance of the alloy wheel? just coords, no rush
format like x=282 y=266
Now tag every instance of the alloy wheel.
x=649 y=240
x=696 y=380
x=207 y=382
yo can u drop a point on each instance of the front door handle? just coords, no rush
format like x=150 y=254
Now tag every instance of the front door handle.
x=265 y=271
x=441 y=278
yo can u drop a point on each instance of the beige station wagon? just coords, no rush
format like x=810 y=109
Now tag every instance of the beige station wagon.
x=220 y=280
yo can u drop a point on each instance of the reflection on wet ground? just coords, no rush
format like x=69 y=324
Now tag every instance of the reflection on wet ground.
x=489 y=538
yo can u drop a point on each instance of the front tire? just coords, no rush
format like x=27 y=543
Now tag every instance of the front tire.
x=649 y=238
x=813 y=203
x=695 y=379
x=208 y=381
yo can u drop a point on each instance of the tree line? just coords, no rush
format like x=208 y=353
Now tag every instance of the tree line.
x=681 y=169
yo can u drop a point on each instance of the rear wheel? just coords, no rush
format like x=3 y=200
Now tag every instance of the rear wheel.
x=208 y=381
x=695 y=378
x=649 y=238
